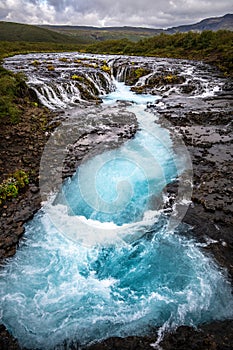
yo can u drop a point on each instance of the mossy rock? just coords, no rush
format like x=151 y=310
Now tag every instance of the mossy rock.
x=133 y=74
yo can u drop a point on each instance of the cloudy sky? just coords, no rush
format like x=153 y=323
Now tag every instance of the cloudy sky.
x=149 y=13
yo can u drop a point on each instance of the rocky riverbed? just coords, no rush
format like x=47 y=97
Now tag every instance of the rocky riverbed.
x=205 y=123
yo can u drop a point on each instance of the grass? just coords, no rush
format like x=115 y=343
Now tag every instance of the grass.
x=10 y=31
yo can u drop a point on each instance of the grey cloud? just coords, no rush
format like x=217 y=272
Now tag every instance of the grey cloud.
x=160 y=13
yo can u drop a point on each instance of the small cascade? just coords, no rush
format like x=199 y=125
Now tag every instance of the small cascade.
x=144 y=79
x=54 y=95
x=102 y=82
x=62 y=82
x=121 y=74
x=159 y=76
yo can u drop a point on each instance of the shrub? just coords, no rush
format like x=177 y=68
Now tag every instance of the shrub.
x=10 y=187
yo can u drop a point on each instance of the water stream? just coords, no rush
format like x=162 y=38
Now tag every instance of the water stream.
x=98 y=259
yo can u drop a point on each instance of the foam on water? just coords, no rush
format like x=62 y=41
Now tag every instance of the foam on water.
x=55 y=289
x=133 y=276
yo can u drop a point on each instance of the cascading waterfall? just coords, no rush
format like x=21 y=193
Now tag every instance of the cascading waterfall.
x=98 y=259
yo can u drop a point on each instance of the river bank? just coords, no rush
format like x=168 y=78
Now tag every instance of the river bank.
x=206 y=127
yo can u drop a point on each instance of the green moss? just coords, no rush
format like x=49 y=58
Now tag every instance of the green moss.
x=36 y=63
x=106 y=68
x=77 y=77
x=140 y=72
x=11 y=187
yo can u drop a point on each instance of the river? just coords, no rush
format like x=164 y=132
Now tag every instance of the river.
x=105 y=256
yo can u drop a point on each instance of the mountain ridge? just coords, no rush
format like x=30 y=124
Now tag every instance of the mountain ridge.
x=210 y=23
x=10 y=31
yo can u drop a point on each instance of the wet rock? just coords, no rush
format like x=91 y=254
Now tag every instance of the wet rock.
x=6 y=340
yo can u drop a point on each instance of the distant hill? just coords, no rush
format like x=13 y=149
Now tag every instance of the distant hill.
x=10 y=31
x=214 y=24
x=88 y=35
x=91 y=34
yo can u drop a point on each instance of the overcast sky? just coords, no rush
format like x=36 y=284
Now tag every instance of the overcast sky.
x=149 y=13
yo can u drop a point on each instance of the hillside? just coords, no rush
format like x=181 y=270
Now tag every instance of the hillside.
x=214 y=24
x=89 y=34
x=10 y=31
x=92 y=34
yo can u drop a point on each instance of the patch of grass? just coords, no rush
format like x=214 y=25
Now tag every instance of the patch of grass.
x=12 y=87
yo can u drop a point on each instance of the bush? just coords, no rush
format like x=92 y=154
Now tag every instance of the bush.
x=10 y=187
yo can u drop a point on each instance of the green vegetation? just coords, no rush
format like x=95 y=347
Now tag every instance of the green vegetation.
x=12 y=88
x=212 y=47
x=10 y=31
x=11 y=187
x=8 y=48
x=77 y=77
x=106 y=68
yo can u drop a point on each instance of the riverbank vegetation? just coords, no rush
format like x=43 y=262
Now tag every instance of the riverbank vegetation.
x=212 y=47
x=11 y=186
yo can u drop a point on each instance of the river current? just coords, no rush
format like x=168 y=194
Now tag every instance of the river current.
x=103 y=258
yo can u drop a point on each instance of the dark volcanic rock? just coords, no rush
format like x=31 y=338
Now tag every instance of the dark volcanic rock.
x=21 y=147
x=6 y=340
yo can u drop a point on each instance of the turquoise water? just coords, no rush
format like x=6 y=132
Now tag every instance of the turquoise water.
x=99 y=261
x=121 y=183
